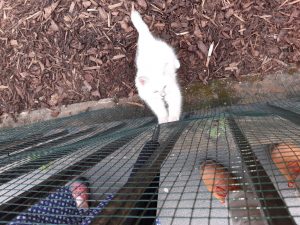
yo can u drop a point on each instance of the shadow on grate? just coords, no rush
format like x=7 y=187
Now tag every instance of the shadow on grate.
x=224 y=165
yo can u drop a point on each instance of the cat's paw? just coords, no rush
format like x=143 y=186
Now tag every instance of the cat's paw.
x=173 y=118
x=162 y=120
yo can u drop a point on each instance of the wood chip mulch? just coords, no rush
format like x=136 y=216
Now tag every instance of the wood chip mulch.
x=66 y=51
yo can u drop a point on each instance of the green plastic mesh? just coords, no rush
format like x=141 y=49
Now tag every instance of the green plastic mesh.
x=154 y=172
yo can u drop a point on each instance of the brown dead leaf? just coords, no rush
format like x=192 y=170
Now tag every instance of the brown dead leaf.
x=86 y=4
x=1 y=4
x=102 y=13
x=19 y=91
x=142 y=3
x=239 y=17
x=31 y=54
x=38 y=89
x=175 y=25
x=94 y=3
x=125 y=26
x=202 y=47
x=55 y=113
x=229 y=13
x=111 y=7
x=72 y=6
x=294 y=14
x=197 y=32
x=94 y=59
x=14 y=43
x=281 y=35
x=131 y=94
x=203 y=78
x=293 y=41
x=48 y=10
x=41 y=65
x=247 y=4
x=53 y=27
x=115 y=13
x=54 y=99
x=91 y=68
x=274 y=50
x=85 y=15
x=254 y=52
x=87 y=86
x=169 y=2
x=96 y=93
x=24 y=74
x=232 y=66
x=199 y=54
x=88 y=77
x=120 y=56
x=3 y=87
x=192 y=48
x=159 y=25
x=225 y=35
x=67 y=18
x=204 y=23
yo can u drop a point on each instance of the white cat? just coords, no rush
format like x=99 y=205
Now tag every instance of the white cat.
x=156 y=81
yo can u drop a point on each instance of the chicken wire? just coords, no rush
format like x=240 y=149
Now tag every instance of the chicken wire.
x=153 y=171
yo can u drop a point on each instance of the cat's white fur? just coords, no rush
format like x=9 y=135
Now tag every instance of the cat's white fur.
x=156 y=81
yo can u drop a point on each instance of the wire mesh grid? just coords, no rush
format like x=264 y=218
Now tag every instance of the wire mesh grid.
x=231 y=164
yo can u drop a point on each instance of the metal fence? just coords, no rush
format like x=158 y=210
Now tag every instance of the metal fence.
x=153 y=172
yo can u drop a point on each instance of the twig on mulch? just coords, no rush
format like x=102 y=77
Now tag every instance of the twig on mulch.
x=210 y=50
x=136 y=104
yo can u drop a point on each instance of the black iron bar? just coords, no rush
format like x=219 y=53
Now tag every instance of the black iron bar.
x=123 y=209
x=275 y=210
x=285 y=113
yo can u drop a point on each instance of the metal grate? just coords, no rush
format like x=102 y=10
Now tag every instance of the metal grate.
x=153 y=172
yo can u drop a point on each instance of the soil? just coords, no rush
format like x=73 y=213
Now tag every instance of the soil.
x=61 y=52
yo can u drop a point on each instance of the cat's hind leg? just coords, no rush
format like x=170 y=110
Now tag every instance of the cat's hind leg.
x=157 y=105
x=174 y=100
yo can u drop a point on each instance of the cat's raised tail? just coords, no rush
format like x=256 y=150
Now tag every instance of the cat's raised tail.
x=139 y=24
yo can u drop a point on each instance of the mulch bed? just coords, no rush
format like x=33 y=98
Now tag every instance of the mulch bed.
x=67 y=51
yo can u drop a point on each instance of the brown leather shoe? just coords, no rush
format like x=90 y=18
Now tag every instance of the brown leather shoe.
x=218 y=180
x=286 y=157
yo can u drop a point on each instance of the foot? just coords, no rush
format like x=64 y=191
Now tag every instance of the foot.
x=218 y=180
x=173 y=118
x=286 y=157
x=80 y=193
x=162 y=119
